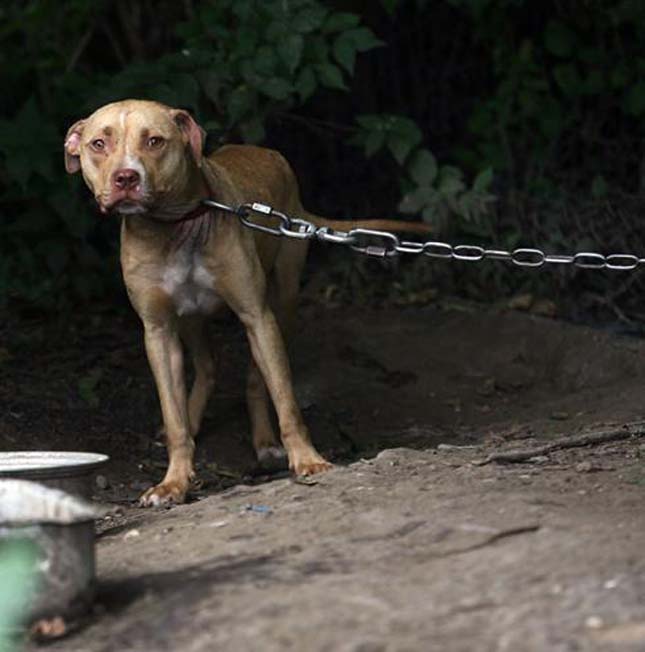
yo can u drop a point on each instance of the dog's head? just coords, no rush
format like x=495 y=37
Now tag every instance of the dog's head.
x=136 y=156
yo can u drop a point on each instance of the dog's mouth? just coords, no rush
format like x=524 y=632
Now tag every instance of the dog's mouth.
x=129 y=207
x=123 y=206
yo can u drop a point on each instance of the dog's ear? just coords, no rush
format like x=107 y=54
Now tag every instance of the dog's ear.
x=193 y=134
x=73 y=147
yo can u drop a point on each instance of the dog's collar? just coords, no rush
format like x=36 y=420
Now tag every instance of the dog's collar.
x=198 y=211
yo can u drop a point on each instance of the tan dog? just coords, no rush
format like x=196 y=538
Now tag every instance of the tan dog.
x=181 y=262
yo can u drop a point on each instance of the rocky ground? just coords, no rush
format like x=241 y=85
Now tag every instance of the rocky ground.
x=408 y=544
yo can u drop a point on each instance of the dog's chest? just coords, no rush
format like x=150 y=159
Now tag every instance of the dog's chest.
x=190 y=285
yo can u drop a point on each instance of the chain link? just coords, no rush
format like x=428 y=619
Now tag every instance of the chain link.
x=383 y=244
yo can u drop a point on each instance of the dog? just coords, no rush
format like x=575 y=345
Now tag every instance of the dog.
x=182 y=261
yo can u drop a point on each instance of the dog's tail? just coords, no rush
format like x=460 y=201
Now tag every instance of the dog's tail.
x=399 y=226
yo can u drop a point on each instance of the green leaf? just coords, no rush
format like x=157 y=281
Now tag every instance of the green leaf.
x=277 y=30
x=450 y=181
x=434 y=214
x=265 y=61
x=483 y=180
x=559 y=39
x=340 y=21
x=363 y=39
x=290 y=51
x=371 y=121
x=418 y=199
x=240 y=101
x=275 y=88
x=305 y=84
x=406 y=127
x=400 y=147
x=316 y=49
x=309 y=19
x=345 y=52
x=246 y=42
x=373 y=142
x=423 y=168
x=404 y=136
x=331 y=76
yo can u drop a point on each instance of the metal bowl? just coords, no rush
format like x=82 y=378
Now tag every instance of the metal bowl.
x=70 y=471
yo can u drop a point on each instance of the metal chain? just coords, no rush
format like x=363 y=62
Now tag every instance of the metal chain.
x=383 y=244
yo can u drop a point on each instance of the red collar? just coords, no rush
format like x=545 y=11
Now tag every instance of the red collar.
x=194 y=214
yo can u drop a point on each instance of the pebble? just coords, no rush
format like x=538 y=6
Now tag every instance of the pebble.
x=594 y=622
x=584 y=467
x=560 y=416
x=102 y=482
x=544 y=308
x=131 y=534
x=520 y=302
x=388 y=456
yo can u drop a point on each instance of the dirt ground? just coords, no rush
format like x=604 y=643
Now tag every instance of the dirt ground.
x=406 y=545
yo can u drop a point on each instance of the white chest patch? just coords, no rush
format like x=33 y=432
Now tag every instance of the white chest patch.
x=190 y=284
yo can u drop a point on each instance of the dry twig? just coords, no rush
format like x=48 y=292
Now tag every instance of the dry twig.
x=493 y=538
x=586 y=439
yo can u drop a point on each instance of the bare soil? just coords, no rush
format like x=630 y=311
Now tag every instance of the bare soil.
x=406 y=545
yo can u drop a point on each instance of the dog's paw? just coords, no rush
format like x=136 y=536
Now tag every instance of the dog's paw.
x=311 y=464
x=164 y=493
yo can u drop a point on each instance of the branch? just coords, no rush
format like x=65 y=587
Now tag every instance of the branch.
x=588 y=439
x=80 y=48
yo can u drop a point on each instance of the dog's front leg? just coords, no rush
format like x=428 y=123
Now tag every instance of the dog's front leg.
x=166 y=361
x=268 y=350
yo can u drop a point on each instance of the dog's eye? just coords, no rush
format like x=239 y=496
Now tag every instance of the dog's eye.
x=155 y=142
x=98 y=144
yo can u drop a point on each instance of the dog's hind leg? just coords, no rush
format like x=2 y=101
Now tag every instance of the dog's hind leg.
x=283 y=298
x=195 y=337
x=265 y=442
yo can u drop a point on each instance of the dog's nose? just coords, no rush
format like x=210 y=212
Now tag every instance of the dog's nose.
x=125 y=179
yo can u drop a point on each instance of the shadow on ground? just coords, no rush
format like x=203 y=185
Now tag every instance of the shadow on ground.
x=407 y=544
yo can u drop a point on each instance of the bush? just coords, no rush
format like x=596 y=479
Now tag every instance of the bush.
x=488 y=118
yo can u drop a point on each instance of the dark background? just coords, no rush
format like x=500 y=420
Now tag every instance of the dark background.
x=508 y=122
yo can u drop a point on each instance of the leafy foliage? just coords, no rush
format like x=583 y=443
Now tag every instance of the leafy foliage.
x=453 y=104
x=235 y=63
x=434 y=192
